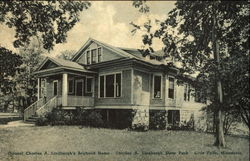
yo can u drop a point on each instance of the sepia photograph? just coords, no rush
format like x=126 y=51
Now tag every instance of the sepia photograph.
x=139 y=80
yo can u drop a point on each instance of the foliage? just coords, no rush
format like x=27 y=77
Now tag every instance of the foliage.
x=141 y=5
x=157 y=120
x=9 y=67
x=94 y=119
x=66 y=55
x=211 y=38
x=32 y=56
x=83 y=117
x=138 y=122
x=41 y=121
x=139 y=127
x=50 y=20
x=20 y=88
x=188 y=125
x=231 y=118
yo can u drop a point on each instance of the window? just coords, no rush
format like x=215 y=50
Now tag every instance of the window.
x=94 y=56
x=118 y=85
x=88 y=57
x=173 y=117
x=110 y=85
x=42 y=87
x=99 y=55
x=55 y=87
x=89 y=85
x=79 y=87
x=71 y=86
x=171 y=88
x=102 y=86
x=186 y=92
x=157 y=86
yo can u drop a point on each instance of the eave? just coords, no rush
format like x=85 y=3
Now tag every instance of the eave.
x=60 y=70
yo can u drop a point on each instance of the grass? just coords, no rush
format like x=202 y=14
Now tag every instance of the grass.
x=74 y=139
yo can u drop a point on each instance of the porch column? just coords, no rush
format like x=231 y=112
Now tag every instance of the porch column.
x=38 y=88
x=65 y=89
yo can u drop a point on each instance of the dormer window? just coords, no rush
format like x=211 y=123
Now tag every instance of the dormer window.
x=94 y=55
x=88 y=57
x=99 y=58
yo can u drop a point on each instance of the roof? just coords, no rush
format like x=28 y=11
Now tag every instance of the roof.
x=110 y=47
x=126 y=52
x=65 y=64
x=138 y=55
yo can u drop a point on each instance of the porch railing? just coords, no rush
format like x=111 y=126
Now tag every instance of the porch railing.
x=75 y=101
x=47 y=107
x=31 y=110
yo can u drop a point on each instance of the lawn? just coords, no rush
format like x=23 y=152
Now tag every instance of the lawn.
x=67 y=143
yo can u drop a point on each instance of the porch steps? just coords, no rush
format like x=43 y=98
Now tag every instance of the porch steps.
x=32 y=119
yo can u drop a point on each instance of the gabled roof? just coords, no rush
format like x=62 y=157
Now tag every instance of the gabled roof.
x=67 y=63
x=138 y=55
x=125 y=52
x=110 y=47
x=134 y=52
x=64 y=64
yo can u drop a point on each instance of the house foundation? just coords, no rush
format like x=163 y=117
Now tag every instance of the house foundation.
x=140 y=119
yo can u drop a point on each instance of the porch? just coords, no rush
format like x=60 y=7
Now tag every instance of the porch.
x=62 y=84
x=70 y=90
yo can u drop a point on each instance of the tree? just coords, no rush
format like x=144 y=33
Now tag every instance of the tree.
x=50 y=20
x=9 y=67
x=67 y=54
x=206 y=37
x=32 y=56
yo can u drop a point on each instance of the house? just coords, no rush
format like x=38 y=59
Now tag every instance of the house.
x=113 y=79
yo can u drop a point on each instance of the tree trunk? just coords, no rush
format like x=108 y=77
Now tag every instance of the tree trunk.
x=214 y=122
x=220 y=140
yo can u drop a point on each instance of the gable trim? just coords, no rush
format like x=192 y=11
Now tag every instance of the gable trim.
x=114 y=49
x=45 y=61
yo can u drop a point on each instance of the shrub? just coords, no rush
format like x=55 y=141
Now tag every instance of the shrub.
x=157 y=120
x=94 y=119
x=187 y=125
x=54 y=117
x=140 y=127
x=78 y=117
x=139 y=122
x=41 y=121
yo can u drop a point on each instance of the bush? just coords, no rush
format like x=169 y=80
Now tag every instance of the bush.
x=139 y=123
x=41 y=121
x=77 y=117
x=187 y=125
x=94 y=119
x=140 y=127
x=157 y=120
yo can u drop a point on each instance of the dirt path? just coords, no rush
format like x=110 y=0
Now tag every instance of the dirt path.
x=18 y=123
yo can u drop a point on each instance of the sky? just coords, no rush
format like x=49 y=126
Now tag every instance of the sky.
x=106 y=21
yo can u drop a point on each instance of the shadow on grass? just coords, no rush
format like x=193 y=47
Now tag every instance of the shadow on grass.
x=4 y=121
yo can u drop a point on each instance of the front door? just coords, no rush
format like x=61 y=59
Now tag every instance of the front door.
x=55 y=88
x=79 y=87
